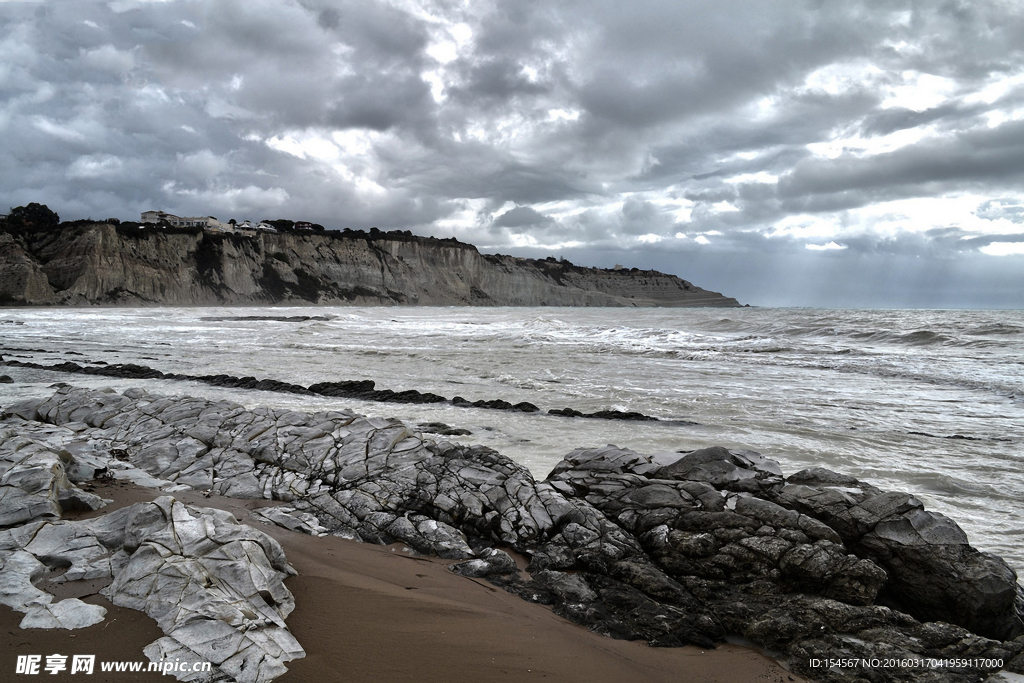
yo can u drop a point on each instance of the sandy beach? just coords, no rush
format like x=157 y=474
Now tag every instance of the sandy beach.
x=376 y=613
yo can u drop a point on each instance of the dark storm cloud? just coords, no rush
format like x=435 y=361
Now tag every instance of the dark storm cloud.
x=500 y=80
x=975 y=156
x=520 y=216
x=667 y=131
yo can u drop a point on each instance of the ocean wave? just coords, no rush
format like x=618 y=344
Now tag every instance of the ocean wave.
x=923 y=338
x=947 y=484
x=997 y=329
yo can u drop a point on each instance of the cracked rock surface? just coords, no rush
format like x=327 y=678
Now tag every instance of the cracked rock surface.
x=670 y=548
x=214 y=586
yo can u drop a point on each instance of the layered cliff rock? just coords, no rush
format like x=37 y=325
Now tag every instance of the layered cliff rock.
x=107 y=264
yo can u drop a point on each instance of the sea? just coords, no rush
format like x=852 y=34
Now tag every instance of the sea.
x=925 y=401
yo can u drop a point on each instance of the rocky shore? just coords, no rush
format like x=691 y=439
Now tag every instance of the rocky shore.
x=672 y=548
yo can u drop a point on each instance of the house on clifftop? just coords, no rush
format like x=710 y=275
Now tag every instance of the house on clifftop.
x=205 y=222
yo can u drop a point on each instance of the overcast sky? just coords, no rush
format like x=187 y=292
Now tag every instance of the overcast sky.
x=785 y=153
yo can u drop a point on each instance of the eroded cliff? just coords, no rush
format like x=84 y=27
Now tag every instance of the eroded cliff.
x=126 y=265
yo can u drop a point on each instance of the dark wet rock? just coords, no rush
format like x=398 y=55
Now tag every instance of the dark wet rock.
x=565 y=412
x=363 y=390
x=232 y=382
x=491 y=561
x=670 y=548
x=621 y=415
x=571 y=588
x=442 y=429
x=623 y=611
x=347 y=388
x=604 y=415
x=496 y=404
x=266 y=318
x=938 y=576
x=6 y=379
x=934 y=574
x=130 y=370
x=723 y=468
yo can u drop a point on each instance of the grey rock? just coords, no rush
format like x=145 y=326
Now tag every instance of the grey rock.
x=34 y=482
x=568 y=587
x=491 y=561
x=725 y=469
x=220 y=593
x=669 y=548
x=19 y=570
x=214 y=586
x=948 y=581
x=70 y=613
x=290 y=518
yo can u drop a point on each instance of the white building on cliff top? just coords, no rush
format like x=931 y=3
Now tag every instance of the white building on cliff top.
x=206 y=222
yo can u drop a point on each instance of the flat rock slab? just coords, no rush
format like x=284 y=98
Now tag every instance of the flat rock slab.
x=214 y=586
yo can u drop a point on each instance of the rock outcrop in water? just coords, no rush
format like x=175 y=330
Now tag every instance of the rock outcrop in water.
x=363 y=390
x=672 y=549
x=106 y=264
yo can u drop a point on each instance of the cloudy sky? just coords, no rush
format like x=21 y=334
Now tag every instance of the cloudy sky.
x=786 y=153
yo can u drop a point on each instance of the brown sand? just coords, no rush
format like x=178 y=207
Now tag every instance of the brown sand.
x=375 y=613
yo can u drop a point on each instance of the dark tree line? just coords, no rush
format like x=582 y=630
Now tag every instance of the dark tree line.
x=32 y=216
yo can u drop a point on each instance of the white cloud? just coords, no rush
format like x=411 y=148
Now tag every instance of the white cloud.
x=107 y=58
x=831 y=246
x=860 y=146
x=841 y=77
x=919 y=91
x=94 y=166
x=246 y=199
x=202 y=164
x=1003 y=249
x=62 y=131
x=759 y=177
x=563 y=114
x=304 y=145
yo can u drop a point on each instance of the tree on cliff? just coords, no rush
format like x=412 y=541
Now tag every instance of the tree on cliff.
x=281 y=224
x=33 y=215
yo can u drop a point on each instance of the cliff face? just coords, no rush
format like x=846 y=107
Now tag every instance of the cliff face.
x=106 y=264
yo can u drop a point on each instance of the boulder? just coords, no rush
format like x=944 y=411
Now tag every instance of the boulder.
x=725 y=469
x=936 y=575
